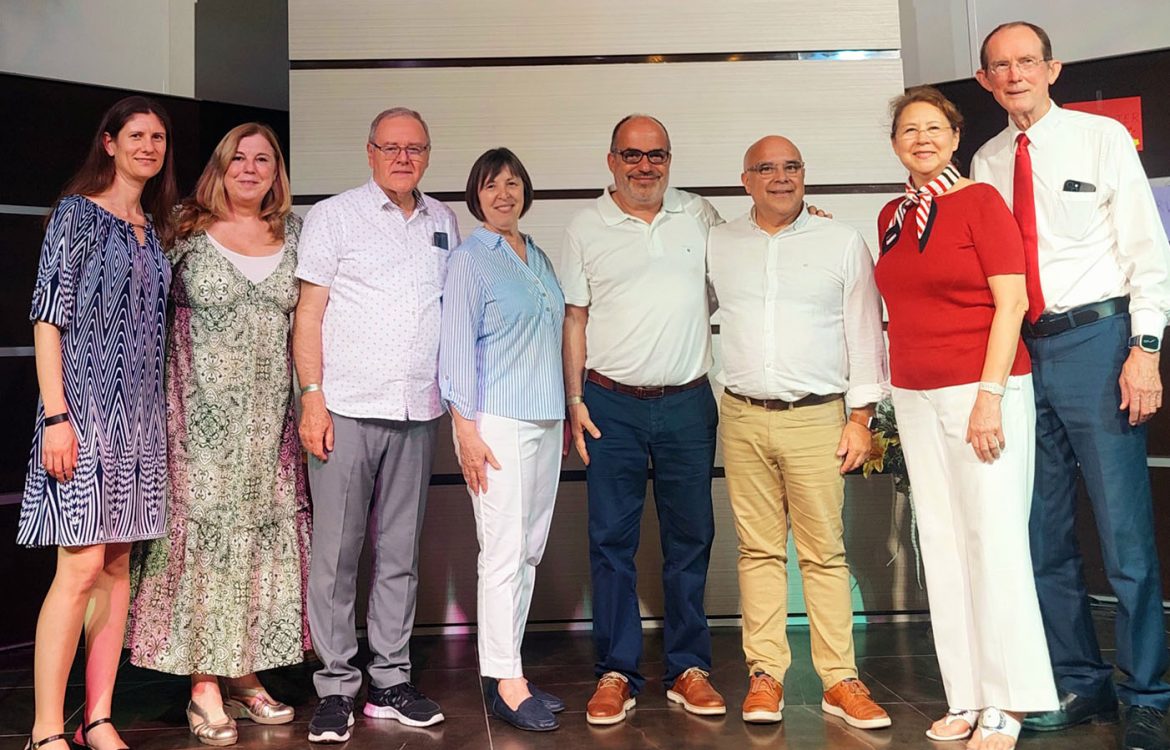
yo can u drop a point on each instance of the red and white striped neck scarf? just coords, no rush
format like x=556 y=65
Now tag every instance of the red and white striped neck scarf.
x=922 y=197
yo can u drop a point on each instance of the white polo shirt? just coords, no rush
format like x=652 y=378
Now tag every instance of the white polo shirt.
x=385 y=273
x=645 y=286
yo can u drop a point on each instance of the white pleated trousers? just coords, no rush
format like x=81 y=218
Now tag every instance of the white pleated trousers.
x=973 y=528
x=512 y=520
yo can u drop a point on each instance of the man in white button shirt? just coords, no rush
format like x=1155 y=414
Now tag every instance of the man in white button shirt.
x=372 y=262
x=636 y=319
x=801 y=334
x=1104 y=271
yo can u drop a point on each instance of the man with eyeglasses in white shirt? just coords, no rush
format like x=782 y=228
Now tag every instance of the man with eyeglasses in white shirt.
x=801 y=333
x=637 y=351
x=372 y=262
x=1099 y=277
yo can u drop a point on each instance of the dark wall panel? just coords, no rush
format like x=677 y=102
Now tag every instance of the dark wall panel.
x=50 y=124
x=1143 y=75
x=20 y=244
x=18 y=394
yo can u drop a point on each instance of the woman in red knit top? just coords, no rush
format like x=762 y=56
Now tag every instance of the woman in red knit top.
x=951 y=272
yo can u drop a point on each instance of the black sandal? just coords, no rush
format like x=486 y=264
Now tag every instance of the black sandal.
x=53 y=738
x=85 y=732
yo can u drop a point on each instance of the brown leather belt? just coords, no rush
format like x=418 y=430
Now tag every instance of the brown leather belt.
x=775 y=404
x=639 y=391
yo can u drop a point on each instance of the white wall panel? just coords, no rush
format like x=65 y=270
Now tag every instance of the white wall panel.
x=558 y=119
x=409 y=29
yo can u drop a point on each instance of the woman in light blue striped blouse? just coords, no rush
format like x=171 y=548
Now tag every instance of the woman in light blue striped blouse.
x=500 y=376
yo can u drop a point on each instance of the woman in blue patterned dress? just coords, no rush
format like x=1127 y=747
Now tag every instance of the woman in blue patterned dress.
x=97 y=471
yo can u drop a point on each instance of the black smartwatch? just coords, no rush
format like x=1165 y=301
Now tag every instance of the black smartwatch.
x=1146 y=343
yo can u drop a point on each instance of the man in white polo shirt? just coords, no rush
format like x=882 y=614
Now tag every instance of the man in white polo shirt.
x=637 y=351
x=372 y=262
x=801 y=331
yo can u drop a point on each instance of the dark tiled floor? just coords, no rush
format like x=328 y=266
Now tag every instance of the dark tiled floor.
x=896 y=661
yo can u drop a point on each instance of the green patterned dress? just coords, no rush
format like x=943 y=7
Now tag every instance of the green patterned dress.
x=223 y=592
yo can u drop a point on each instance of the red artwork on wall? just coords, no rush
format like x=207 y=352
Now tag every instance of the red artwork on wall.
x=1127 y=110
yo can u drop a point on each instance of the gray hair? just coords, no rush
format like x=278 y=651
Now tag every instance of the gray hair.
x=398 y=112
x=636 y=115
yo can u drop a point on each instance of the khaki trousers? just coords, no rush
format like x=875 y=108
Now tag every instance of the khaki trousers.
x=781 y=466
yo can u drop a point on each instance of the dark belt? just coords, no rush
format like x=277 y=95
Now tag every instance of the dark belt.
x=1054 y=323
x=639 y=391
x=775 y=404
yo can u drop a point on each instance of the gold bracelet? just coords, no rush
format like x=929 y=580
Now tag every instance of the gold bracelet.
x=573 y=400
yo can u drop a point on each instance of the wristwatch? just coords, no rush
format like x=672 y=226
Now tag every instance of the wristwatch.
x=1146 y=343
x=866 y=422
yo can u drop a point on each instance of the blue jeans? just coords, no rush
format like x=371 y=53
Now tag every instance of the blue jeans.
x=1078 y=423
x=676 y=432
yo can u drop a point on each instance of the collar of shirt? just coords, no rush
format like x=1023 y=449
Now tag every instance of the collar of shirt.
x=1041 y=130
x=799 y=223
x=382 y=201
x=612 y=214
x=492 y=240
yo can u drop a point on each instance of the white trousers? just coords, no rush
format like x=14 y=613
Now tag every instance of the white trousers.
x=973 y=527
x=512 y=520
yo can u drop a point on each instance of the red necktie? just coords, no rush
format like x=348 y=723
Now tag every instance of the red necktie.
x=1024 y=207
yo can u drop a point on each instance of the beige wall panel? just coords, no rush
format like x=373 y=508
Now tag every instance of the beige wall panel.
x=408 y=29
x=558 y=119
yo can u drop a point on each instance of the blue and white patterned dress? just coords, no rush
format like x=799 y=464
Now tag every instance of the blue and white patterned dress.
x=108 y=296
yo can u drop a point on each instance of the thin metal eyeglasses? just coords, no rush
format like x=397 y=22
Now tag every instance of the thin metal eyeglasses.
x=933 y=132
x=770 y=169
x=633 y=155
x=1000 y=68
x=414 y=152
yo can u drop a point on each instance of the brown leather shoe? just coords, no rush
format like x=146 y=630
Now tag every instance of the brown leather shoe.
x=764 y=703
x=610 y=701
x=849 y=700
x=696 y=695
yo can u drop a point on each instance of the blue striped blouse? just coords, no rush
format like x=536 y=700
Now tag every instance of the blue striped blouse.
x=500 y=345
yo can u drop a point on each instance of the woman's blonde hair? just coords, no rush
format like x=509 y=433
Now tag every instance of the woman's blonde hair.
x=209 y=202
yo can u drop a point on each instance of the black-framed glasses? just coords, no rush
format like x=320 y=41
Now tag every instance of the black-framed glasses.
x=633 y=155
x=771 y=169
x=414 y=151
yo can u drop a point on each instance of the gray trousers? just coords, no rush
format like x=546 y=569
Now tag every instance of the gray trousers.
x=394 y=458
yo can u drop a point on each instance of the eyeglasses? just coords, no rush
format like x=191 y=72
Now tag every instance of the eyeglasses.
x=770 y=169
x=1000 y=68
x=933 y=132
x=633 y=155
x=414 y=152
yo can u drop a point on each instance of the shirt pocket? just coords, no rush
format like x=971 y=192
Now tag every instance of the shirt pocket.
x=434 y=271
x=514 y=300
x=1074 y=214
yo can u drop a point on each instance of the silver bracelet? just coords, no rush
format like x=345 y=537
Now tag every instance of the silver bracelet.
x=995 y=389
x=310 y=388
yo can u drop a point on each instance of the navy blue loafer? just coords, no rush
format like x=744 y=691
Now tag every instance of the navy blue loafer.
x=550 y=701
x=531 y=715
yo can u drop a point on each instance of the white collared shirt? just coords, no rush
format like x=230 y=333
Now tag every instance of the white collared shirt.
x=799 y=311
x=385 y=273
x=645 y=286
x=1092 y=245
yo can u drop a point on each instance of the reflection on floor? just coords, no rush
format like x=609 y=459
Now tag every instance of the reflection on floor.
x=896 y=661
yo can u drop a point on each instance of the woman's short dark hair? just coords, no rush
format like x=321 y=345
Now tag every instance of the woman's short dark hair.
x=486 y=168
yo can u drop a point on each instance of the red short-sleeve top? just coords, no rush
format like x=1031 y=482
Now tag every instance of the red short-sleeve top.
x=938 y=301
